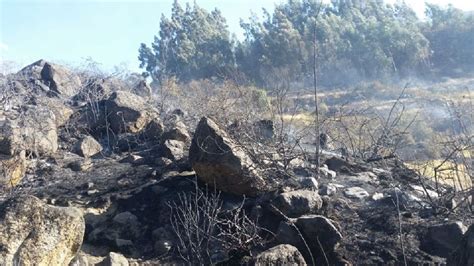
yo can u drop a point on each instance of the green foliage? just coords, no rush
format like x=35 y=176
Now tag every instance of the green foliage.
x=346 y=40
x=451 y=35
x=193 y=44
x=372 y=40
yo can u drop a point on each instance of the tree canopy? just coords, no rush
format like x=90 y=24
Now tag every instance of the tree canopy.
x=350 y=40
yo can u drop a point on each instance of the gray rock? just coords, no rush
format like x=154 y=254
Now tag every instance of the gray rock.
x=219 y=161
x=328 y=189
x=61 y=111
x=299 y=202
x=280 y=255
x=115 y=259
x=125 y=218
x=309 y=182
x=33 y=233
x=464 y=252
x=80 y=165
x=173 y=149
x=162 y=247
x=133 y=159
x=154 y=130
x=327 y=173
x=442 y=239
x=318 y=231
x=34 y=131
x=356 y=193
x=61 y=81
x=88 y=147
x=319 y=227
x=129 y=113
x=178 y=132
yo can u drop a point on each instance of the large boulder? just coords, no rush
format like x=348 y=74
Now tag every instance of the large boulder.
x=220 y=162
x=33 y=233
x=61 y=111
x=442 y=239
x=61 y=81
x=280 y=255
x=128 y=113
x=464 y=252
x=12 y=169
x=298 y=202
x=34 y=130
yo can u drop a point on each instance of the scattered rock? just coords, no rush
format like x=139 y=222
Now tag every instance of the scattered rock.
x=299 y=202
x=219 y=161
x=173 y=149
x=328 y=190
x=88 y=147
x=356 y=193
x=280 y=255
x=154 y=130
x=178 y=132
x=326 y=173
x=115 y=259
x=80 y=165
x=133 y=159
x=309 y=183
x=425 y=192
x=32 y=233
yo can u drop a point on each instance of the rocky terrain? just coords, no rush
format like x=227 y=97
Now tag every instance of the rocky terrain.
x=92 y=173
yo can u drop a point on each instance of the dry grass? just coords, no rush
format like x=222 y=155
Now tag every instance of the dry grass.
x=455 y=175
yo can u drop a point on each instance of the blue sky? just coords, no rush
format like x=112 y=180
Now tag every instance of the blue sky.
x=108 y=31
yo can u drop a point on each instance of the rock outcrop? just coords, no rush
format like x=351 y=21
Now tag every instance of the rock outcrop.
x=34 y=131
x=219 y=161
x=61 y=81
x=12 y=169
x=32 y=233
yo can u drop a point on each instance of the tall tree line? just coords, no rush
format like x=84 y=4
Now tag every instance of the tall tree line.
x=355 y=40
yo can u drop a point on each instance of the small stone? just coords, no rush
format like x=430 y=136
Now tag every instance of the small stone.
x=115 y=259
x=378 y=196
x=356 y=193
x=328 y=189
x=309 y=182
x=298 y=202
x=88 y=147
x=162 y=247
x=280 y=255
